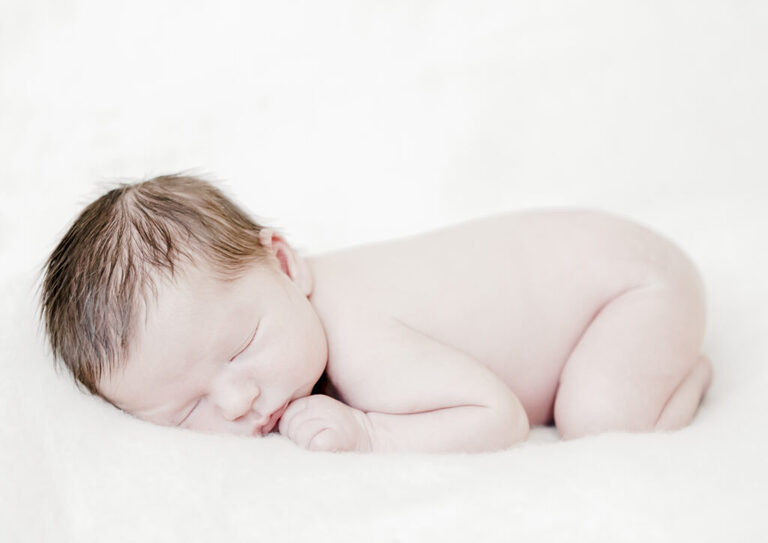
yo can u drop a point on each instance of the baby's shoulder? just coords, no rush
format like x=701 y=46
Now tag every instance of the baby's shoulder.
x=359 y=342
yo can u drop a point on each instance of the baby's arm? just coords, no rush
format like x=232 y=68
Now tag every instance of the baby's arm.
x=411 y=393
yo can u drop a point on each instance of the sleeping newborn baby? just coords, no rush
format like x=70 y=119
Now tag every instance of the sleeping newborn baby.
x=171 y=303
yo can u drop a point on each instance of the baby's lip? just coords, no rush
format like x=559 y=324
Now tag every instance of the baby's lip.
x=271 y=421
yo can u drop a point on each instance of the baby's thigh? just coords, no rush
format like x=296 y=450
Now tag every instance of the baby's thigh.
x=632 y=357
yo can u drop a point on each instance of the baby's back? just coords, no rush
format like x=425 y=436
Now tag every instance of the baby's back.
x=515 y=291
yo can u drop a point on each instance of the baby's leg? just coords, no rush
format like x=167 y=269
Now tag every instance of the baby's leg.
x=637 y=366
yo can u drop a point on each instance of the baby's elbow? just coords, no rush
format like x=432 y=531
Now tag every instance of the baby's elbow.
x=520 y=427
x=512 y=421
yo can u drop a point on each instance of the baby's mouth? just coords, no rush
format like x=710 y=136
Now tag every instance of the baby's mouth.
x=272 y=421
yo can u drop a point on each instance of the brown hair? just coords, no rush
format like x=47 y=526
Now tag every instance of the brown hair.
x=101 y=271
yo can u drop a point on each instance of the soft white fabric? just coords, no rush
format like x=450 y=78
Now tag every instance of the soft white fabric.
x=347 y=122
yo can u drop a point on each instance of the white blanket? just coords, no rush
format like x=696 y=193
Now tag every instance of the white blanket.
x=346 y=122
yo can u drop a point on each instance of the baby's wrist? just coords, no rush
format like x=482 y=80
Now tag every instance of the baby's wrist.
x=365 y=441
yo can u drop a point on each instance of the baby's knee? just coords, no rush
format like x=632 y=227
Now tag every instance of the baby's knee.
x=593 y=416
x=677 y=279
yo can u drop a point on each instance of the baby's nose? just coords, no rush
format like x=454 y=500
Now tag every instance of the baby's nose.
x=237 y=400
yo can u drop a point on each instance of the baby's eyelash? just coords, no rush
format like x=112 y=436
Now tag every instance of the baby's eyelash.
x=188 y=413
x=253 y=335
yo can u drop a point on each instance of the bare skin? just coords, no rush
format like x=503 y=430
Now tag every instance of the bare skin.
x=457 y=339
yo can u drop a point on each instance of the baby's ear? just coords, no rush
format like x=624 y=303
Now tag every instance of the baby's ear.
x=292 y=265
x=265 y=237
x=302 y=275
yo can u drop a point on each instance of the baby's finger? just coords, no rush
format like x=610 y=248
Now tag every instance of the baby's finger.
x=290 y=414
x=302 y=424
x=327 y=439
x=307 y=430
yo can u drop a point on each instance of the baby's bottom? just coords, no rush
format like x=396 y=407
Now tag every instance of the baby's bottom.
x=637 y=367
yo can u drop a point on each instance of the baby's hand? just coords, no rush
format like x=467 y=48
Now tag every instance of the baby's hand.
x=320 y=423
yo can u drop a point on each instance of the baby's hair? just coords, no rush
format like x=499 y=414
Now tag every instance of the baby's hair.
x=104 y=267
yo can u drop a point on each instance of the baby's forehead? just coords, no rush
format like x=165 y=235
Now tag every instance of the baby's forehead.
x=184 y=278
x=195 y=294
x=198 y=297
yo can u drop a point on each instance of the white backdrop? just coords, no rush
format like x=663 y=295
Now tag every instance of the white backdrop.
x=345 y=122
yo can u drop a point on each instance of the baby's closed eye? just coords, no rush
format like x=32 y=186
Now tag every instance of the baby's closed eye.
x=248 y=343
x=183 y=420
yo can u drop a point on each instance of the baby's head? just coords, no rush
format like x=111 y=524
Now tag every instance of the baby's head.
x=170 y=302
